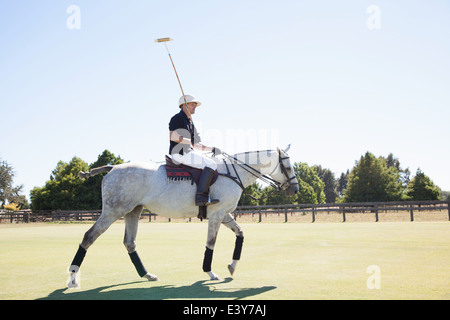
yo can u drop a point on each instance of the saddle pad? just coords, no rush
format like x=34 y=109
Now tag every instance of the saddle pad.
x=185 y=174
x=177 y=173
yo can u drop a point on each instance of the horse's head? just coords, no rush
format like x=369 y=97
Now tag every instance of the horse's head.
x=285 y=174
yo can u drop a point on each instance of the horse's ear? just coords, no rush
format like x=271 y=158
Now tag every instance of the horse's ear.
x=279 y=151
x=287 y=148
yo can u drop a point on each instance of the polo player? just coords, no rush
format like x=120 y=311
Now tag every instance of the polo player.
x=185 y=147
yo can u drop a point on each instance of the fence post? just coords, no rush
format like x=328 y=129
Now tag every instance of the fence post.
x=259 y=215
x=411 y=212
x=313 y=215
x=376 y=213
x=343 y=213
x=448 y=208
x=285 y=215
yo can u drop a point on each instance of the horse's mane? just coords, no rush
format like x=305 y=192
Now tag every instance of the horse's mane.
x=248 y=157
x=256 y=151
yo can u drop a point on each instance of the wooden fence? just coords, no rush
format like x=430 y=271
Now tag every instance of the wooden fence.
x=288 y=212
x=345 y=209
x=26 y=216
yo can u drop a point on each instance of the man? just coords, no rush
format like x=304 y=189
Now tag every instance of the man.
x=185 y=147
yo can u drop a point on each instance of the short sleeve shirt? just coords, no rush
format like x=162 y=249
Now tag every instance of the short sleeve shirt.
x=181 y=124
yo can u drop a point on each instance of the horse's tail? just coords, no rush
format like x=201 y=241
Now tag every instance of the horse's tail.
x=95 y=171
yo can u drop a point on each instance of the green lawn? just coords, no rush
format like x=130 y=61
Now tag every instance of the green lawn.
x=279 y=261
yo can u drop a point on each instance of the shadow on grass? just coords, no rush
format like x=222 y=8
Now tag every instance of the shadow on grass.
x=204 y=289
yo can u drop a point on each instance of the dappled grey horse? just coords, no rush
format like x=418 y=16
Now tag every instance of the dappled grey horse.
x=130 y=187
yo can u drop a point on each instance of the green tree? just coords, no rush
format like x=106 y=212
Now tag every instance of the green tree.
x=342 y=183
x=311 y=187
x=92 y=187
x=422 y=188
x=63 y=188
x=306 y=193
x=276 y=198
x=254 y=190
x=66 y=191
x=392 y=162
x=445 y=195
x=330 y=183
x=9 y=192
x=372 y=180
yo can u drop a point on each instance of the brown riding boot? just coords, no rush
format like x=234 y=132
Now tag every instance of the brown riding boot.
x=202 y=197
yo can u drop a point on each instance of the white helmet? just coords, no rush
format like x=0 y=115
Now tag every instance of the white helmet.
x=189 y=98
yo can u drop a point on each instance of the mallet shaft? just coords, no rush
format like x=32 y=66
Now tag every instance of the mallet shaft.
x=176 y=73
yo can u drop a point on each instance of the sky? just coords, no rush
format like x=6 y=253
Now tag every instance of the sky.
x=334 y=79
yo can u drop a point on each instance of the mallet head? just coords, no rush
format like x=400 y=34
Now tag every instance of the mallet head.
x=163 y=39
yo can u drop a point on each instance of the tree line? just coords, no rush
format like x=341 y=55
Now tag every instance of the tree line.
x=9 y=192
x=372 y=179
x=66 y=191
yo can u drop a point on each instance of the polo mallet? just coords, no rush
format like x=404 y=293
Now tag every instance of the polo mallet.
x=202 y=209
x=164 y=40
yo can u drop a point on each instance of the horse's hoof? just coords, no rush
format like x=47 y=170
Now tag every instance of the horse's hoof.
x=231 y=269
x=73 y=285
x=151 y=277
x=74 y=281
x=213 y=276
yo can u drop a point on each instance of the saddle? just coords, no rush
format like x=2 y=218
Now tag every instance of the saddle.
x=181 y=172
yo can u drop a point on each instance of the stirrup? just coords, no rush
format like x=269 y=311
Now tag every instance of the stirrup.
x=202 y=199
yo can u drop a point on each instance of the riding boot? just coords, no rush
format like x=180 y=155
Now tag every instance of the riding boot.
x=202 y=197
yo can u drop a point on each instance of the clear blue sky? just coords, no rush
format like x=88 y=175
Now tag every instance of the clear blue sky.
x=269 y=73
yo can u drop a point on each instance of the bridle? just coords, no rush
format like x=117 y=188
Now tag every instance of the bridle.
x=288 y=182
x=265 y=178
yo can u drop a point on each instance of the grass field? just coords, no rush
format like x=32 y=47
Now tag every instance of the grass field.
x=279 y=261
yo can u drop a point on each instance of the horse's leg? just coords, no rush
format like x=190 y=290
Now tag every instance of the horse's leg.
x=229 y=222
x=131 y=226
x=100 y=226
x=213 y=229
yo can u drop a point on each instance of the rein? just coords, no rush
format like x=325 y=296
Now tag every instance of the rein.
x=265 y=178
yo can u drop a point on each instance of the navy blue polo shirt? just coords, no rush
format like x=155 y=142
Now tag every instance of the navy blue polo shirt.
x=181 y=124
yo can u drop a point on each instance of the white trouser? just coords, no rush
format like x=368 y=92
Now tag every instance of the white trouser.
x=195 y=159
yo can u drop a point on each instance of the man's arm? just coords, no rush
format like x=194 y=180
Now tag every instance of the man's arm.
x=202 y=147
x=175 y=137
